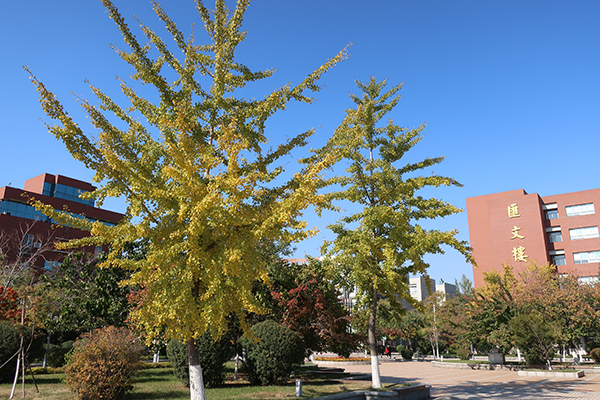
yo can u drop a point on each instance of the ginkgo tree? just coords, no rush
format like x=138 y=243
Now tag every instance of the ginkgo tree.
x=377 y=247
x=193 y=165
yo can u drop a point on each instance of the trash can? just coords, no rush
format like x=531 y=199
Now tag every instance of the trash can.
x=496 y=356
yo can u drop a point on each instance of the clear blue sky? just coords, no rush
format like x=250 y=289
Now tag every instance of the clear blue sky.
x=510 y=90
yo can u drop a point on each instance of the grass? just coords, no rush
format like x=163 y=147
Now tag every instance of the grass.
x=160 y=383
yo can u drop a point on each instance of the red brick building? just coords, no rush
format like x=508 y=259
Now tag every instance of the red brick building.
x=20 y=220
x=516 y=227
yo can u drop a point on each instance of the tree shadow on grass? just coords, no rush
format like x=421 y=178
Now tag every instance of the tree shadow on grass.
x=154 y=375
x=43 y=379
x=166 y=394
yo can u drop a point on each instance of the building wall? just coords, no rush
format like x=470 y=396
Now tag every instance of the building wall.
x=513 y=228
x=17 y=217
x=448 y=289
x=419 y=289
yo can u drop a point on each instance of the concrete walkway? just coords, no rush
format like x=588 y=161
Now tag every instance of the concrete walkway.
x=449 y=384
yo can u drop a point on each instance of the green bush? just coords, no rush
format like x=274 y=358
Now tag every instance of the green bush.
x=56 y=354
x=103 y=364
x=407 y=354
x=534 y=336
x=464 y=353
x=9 y=345
x=213 y=355
x=271 y=359
x=400 y=347
x=178 y=358
x=595 y=354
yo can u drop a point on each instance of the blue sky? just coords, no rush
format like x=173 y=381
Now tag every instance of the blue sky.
x=509 y=90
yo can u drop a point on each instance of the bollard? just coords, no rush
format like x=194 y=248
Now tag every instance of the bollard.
x=298 y=387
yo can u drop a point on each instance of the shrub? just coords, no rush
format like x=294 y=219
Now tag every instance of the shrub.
x=464 y=353
x=56 y=354
x=595 y=354
x=102 y=364
x=271 y=359
x=9 y=345
x=213 y=355
x=407 y=354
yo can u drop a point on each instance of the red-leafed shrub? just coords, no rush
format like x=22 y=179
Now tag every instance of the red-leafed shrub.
x=103 y=364
x=9 y=308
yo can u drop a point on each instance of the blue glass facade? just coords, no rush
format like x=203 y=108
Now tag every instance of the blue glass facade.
x=26 y=211
x=65 y=192
x=22 y=210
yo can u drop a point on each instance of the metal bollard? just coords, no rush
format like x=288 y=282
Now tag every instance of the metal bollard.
x=298 y=387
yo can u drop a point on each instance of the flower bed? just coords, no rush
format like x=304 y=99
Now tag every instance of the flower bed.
x=342 y=360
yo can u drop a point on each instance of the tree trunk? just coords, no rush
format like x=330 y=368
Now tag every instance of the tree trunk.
x=196 y=381
x=376 y=377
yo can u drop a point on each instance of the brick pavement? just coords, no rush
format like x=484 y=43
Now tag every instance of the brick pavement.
x=449 y=384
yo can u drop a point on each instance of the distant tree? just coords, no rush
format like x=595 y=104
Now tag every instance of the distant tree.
x=191 y=162
x=570 y=306
x=493 y=307
x=464 y=286
x=301 y=297
x=311 y=307
x=80 y=296
x=380 y=244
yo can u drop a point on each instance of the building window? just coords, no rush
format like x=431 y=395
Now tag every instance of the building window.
x=584 y=233
x=551 y=214
x=586 y=257
x=555 y=236
x=589 y=280
x=413 y=290
x=559 y=259
x=580 y=209
x=50 y=265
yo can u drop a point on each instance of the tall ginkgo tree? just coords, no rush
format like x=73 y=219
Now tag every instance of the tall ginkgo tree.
x=193 y=165
x=377 y=247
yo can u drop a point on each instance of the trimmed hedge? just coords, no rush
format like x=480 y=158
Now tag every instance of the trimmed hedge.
x=271 y=359
x=213 y=355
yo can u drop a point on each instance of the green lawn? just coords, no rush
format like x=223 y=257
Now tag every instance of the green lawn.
x=160 y=383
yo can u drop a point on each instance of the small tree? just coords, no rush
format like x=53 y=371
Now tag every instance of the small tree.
x=20 y=249
x=534 y=336
x=380 y=244
x=308 y=303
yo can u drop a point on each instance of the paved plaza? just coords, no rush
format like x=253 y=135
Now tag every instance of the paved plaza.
x=447 y=384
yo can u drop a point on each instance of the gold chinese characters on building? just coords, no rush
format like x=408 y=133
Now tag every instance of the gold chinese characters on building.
x=518 y=253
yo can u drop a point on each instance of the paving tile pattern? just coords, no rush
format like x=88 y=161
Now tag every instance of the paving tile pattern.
x=450 y=384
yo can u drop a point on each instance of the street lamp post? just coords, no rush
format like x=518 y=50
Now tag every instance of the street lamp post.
x=437 y=349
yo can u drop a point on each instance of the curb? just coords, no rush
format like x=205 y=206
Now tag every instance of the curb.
x=415 y=392
x=553 y=374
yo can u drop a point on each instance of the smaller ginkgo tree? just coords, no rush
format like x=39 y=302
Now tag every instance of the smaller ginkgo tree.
x=377 y=247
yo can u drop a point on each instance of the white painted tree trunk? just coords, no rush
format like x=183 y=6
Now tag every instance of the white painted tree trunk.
x=376 y=376
x=196 y=381
x=237 y=360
